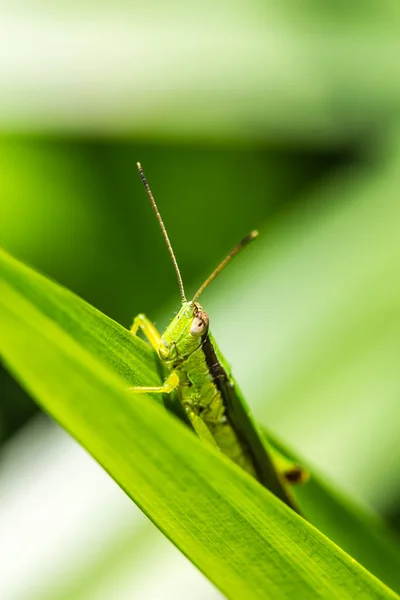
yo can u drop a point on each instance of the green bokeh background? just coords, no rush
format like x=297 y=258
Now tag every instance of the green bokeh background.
x=284 y=119
x=75 y=210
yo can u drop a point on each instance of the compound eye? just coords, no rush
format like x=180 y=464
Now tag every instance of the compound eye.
x=199 y=325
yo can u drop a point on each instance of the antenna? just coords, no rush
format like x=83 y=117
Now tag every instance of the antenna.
x=164 y=232
x=249 y=238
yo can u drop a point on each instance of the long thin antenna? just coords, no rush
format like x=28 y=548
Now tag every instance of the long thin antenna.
x=249 y=238
x=164 y=232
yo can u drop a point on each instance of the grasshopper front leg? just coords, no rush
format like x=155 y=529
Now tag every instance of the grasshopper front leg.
x=153 y=336
x=149 y=330
x=169 y=385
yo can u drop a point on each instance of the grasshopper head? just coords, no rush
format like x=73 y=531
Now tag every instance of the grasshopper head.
x=184 y=334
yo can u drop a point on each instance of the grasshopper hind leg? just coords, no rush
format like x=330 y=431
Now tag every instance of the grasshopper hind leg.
x=291 y=472
x=295 y=475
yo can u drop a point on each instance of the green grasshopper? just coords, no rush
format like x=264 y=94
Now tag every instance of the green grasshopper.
x=208 y=393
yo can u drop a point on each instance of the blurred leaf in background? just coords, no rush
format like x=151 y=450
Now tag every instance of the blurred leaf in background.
x=281 y=118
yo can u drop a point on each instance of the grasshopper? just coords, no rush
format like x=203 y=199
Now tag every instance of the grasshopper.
x=208 y=393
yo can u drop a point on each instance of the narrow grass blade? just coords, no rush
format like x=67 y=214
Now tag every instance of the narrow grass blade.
x=243 y=538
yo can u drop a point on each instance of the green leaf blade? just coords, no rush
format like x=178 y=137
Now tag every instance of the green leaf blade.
x=245 y=540
x=356 y=530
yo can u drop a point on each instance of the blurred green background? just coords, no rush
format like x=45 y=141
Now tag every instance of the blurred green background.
x=281 y=117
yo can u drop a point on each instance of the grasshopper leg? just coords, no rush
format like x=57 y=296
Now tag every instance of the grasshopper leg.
x=296 y=475
x=168 y=386
x=291 y=472
x=149 y=330
x=153 y=336
x=200 y=427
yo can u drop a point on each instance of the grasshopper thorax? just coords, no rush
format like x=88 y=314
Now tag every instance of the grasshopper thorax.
x=184 y=334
